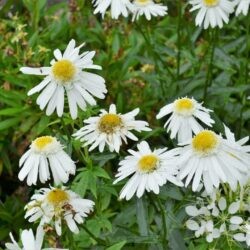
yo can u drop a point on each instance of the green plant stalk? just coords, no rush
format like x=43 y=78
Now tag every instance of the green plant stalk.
x=178 y=40
x=155 y=55
x=209 y=76
x=65 y=129
x=163 y=215
x=99 y=241
x=243 y=100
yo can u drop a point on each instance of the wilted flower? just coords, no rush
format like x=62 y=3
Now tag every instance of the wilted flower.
x=52 y=205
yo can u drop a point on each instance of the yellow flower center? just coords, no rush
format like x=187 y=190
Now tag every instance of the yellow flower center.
x=57 y=197
x=184 y=106
x=64 y=70
x=148 y=163
x=142 y=2
x=43 y=141
x=205 y=142
x=109 y=122
x=210 y=3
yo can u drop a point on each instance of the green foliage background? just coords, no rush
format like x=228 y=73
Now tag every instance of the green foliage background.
x=146 y=65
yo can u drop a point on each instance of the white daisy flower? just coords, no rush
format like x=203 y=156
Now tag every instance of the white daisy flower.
x=211 y=159
x=29 y=241
x=110 y=128
x=243 y=7
x=241 y=147
x=57 y=204
x=212 y=12
x=45 y=152
x=148 y=8
x=150 y=169
x=118 y=7
x=65 y=74
x=182 y=122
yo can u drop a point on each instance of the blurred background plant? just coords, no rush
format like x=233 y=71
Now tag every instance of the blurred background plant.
x=146 y=65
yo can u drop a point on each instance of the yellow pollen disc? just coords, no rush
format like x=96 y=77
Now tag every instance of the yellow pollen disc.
x=64 y=70
x=148 y=163
x=57 y=196
x=142 y=2
x=43 y=141
x=184 y=106
x=210 y=3
x=109 y=122
x=205 y=142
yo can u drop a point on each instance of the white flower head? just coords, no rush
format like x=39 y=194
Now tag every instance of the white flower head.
x=148 y=8
x=212 y=12
x=52 y=205
x=66 y=75
x=204 y=227
x=241 y=148
x=210 y=159
x=29 y=241
x=205 y=217
x=245 y=235
x=110 y=128
x=45 y=154
x=243 y=7
x=183 y=120
x=150 y=169
x=118 y=7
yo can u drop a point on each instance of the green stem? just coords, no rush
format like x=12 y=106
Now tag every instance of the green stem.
x=99 y=241
x=209 y=76
x=179 y=40
x=164 y=217
x=155 y=55
x=65 y=129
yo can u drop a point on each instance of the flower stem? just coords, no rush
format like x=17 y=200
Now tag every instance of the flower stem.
x=98 y=240
x=178 y=40
x=209 y=76
x=164 y=217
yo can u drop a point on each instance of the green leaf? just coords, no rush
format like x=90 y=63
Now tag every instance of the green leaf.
x=176 y=241
x=141 y=217
x=100 y=172
x=117 y=246
x=9 y=123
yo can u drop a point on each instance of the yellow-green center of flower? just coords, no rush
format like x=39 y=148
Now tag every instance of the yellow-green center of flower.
x=57 y=197
x=210 y=3
x=43 y=141
x=64 y=70
x=205 y=142
x=148 y=163
x=184 y=106
x=142 y=2
x=109 y=123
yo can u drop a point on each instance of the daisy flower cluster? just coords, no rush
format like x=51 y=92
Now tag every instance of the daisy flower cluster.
x=211 y=13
